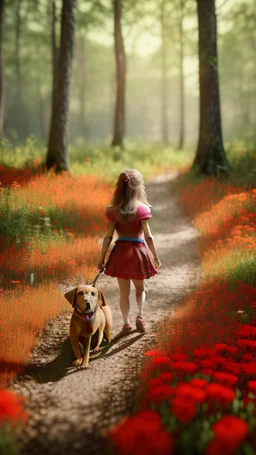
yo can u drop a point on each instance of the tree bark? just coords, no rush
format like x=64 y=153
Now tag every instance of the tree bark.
x=164 y=97
x=210 y=155
x=1 y=71
x=181 y=68
x=119 y=116
x=82 y=84
x=17 y=53
x=51 y=157
x=57 y=145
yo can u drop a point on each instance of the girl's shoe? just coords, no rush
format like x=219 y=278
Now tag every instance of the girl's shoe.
x=126 y=328
x=140 y=324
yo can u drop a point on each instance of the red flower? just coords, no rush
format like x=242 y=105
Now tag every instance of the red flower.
x=222 y=347
x=11 y=408
x=219 y=393
x=246 y=331
x=225 y=378
x=233 y=368
x=152 y=353
x=198 y=382
x=183 y=408
x=247 y=345
x=160 y=393
x=249 y=368
x=217 y=447
x=230 y=430
x=179 y=356
x=184 y=367
x=142 y=432
x=166 y=376
x=204 y=352
x=186 y=390
x=252 y=386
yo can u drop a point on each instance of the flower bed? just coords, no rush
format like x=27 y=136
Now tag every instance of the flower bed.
x=197 y=386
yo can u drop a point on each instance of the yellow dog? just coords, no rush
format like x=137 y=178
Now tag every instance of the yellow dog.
x=90 y=320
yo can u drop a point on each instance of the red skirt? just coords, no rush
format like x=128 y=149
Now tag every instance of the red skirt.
x=130 y=260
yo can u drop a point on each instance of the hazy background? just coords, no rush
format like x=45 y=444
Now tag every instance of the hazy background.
x=27 y=68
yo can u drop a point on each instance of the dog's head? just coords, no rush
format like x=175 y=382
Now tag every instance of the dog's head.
x=85 y=299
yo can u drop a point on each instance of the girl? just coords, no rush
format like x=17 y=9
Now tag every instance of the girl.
x=129 y=259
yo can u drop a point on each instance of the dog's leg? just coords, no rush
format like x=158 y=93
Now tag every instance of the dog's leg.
x=74 y=339
x=86 y=345
x=100 y=335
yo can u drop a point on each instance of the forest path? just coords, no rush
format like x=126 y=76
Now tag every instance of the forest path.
x=69 y=408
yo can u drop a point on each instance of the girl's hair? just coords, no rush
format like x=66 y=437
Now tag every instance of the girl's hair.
x=129 y=192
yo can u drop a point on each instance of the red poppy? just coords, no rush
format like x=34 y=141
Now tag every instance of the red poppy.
x=152 y=353
x=225 y=378
x=11 y=408
x=246 y=331
x=198 y=382
x=231 y=430
x=160 y=393
x=183 y=408
x=204 y=352
x=247 y=344
x=222 y=347
x=179 y=356
x=233 y=368
x=252 y=386
x=217 y=447
x=249 y=368
x=184 y=367
x=142 y=431
x=191 y=392
x=220 y=393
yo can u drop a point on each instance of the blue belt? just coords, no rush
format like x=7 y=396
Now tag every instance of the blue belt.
x=130 y=239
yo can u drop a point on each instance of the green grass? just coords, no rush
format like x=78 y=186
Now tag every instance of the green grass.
x=102 y=160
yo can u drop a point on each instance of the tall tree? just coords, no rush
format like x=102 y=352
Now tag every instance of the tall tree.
x=210 y=155
x=164 y=97
x=57 y=144
x=119 y=116
x=1 y=71
x=181 y=76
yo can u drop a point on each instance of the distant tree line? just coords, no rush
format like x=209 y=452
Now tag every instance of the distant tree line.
x=40 y=41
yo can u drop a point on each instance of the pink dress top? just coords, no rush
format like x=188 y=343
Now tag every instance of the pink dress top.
x=129 y=258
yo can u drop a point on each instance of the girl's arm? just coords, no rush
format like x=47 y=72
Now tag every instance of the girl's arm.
x=106 y=242
x=150 y=242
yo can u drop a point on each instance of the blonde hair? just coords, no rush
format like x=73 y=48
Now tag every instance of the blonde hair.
x=129 y=192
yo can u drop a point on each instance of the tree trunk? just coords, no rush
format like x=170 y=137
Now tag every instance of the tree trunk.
x=164 y=97
x=57 y=145
x=210 y=156
x=181 y=68
x=82 y=84
x=1 y=71
x=17 y=53
x=51 y=157
x=119 y=118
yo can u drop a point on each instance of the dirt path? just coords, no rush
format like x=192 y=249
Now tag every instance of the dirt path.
x=68 y=408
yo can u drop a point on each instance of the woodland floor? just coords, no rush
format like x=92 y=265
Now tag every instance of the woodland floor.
x=68 y=408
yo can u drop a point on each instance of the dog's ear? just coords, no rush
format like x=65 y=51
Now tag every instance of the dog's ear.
x=102 y=299
x=70 y=296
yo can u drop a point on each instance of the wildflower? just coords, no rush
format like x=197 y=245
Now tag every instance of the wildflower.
x=142 y=431
x=230 y=430
x=11 y=408
x=220 y=393
x=160 y=393
x=183 y=408
x=225 y=378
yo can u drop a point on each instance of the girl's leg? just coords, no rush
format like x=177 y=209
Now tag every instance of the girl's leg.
x=124 y=288
x=140 y=295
